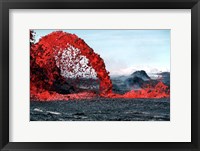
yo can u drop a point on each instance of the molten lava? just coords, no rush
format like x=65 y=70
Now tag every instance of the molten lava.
x=64 y=52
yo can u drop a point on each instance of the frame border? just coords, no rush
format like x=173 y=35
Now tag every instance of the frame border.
x=5 y=5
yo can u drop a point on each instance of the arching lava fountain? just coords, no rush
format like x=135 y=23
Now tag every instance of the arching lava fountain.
x=60 y=53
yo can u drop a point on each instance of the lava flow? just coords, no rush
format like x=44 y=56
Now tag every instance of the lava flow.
x=58 y=54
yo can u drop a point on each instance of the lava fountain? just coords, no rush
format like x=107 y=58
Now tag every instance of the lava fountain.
x=60 y=51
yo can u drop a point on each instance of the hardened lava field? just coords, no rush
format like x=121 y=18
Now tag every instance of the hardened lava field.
x=102 y=109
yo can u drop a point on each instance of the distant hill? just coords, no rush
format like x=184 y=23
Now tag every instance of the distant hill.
x=140 y=74
x=137 y=79
x=164 y=74
x=165 y=77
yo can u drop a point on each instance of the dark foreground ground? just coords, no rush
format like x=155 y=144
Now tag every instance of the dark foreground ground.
x=101 y=110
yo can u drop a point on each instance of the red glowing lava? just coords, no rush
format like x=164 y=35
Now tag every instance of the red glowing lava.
x=159 y=91
x=64 y=52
